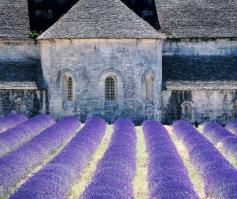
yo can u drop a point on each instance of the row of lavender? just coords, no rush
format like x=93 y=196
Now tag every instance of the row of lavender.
x=12 y=138
x=219 y=177
x=115 y=172
x=168 y=177
x=220 y=136
x=10 y=121
x=232 y=127
x=55 y=179
x=19 y=163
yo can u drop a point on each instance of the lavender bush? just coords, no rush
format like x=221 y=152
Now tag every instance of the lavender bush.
x=215 y=132
x=232 y=127
x=115 y=172
x=218 y=134
x=20 y=162
x=10 y=121
x=218 y=175
x=14 y=137
x=229 y=146
x=55 y=180
x=167 y=175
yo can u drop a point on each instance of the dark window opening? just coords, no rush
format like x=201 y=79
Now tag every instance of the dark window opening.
x=110 y=89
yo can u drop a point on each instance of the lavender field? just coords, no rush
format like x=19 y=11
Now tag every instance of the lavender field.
x=41 y=158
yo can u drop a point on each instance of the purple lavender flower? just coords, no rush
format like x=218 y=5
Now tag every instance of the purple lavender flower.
x=215 y=132
x=232 y=127
x=229 y=146
x=14 y=137
x=54 y=181
x=19 y=163
x=168 y=177
x=218 y=175
x=115 y=172
x=10 y=121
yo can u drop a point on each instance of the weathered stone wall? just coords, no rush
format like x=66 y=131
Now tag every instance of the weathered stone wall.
x=89 y=62
x=20 y=62
x=209 y=104
x=206 y=105
x=23 y=60
x=19 y=51
x=194 y=47
x=23 y=101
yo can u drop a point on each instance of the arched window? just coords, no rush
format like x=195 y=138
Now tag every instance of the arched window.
x=19 y=105
x=150 y=88
x=110 y=88
x=68 y=88
x=187 y=110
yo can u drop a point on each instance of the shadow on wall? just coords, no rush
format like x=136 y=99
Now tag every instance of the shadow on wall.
x=174 y=107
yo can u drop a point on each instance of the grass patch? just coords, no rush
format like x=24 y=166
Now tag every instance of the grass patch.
x=87 y=173
x=140 y=183
x=192 y=172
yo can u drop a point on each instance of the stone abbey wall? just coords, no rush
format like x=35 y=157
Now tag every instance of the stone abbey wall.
x=21 y=100
x=200 y=47
x=20 y=66
x=89 y=63
x=205 y=105
x=19 y=50
x=203 y=97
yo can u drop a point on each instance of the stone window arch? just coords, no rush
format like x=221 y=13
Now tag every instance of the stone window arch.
x=19 y=104
x=111 y=80
x=70 y=89
x=186 y=108
x=149 y=81
x=111 y=88
x=68 y=86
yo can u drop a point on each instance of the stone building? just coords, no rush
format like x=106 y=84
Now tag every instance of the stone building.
x=101 y=58
x=199 y=59
x=93 y=67
x=21 y=80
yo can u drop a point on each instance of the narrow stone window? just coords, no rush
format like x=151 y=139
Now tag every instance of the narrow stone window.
x=150 y=88
x=69 y=89
x=187 y=110
x=19 y=105
x=110 y=88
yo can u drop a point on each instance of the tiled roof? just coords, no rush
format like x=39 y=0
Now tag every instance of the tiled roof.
x=200 y=72
x=100 y=19
x=14 y=20
x=27 y=73
x=198 y=18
